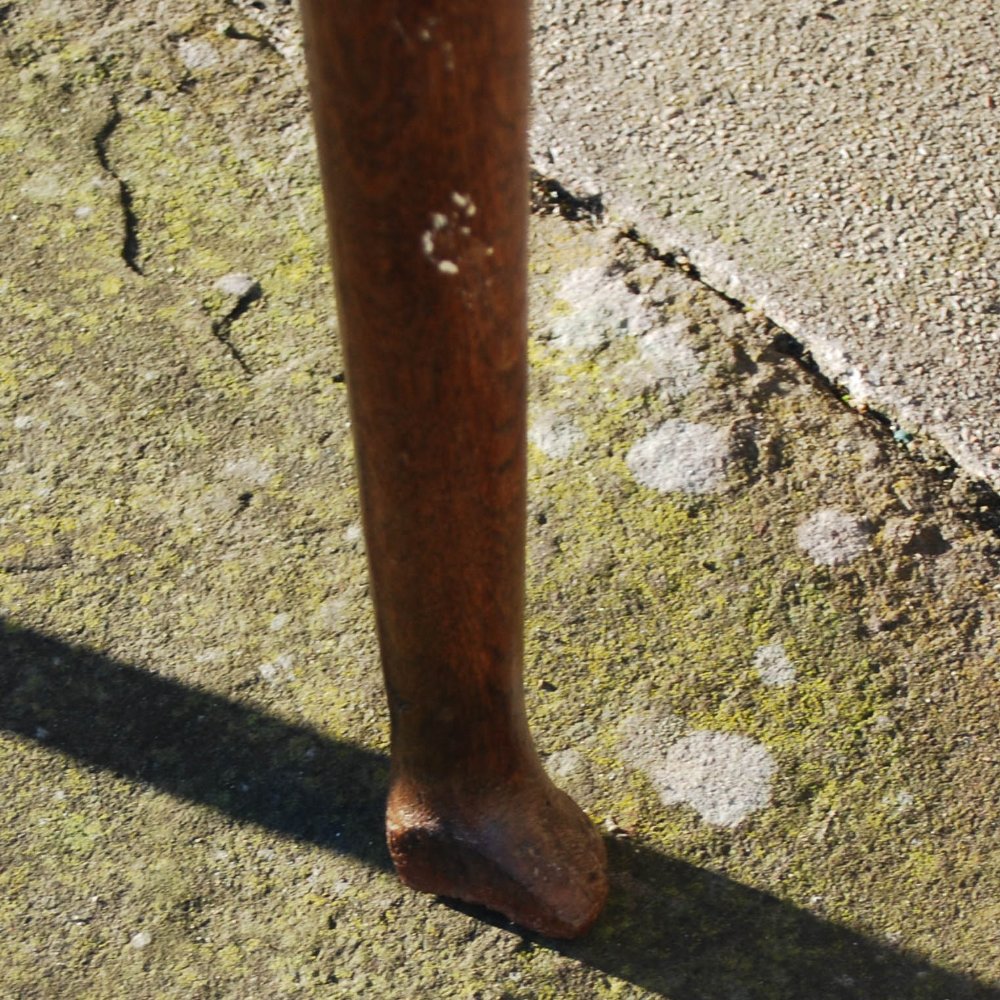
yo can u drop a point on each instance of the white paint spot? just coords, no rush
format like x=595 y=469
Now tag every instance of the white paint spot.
x=572 y=772
x=464 y=202
x=554 y=435
x=681 y=457
x=248 y=470
x=278 y=671
x=439 y=222
x=774 y=666
x=44 y=186
x=831 y=537
x=724 y=776
x=644 y=734
x=141 y=940
x=565 y=766
x=333 y=611
x=196 y=53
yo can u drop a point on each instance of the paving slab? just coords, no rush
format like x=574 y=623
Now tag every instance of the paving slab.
x=762 y=632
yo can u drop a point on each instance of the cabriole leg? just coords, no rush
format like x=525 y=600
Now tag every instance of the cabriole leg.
x=420 y=109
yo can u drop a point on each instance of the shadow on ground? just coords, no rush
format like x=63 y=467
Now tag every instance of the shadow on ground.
x=670 y=927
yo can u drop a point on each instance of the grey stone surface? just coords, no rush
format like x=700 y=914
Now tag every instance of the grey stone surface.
x=832 y=537
x=832 y=165
x=681 y=456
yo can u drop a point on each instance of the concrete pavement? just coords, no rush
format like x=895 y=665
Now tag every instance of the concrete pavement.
x=761 y=634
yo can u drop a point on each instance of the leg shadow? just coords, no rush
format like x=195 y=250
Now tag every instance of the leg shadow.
x=689 y=934
x=694 y=935
x=669 y=928
x=193 y=744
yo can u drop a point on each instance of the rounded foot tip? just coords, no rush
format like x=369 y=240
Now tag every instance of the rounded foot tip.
x=528 y=852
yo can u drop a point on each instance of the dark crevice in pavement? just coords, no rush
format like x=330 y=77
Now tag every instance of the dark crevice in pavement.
x=221 y=327
x=231 y=31
x=549 y=197
x=38 y=567
x=980 y=504
x=130 y=242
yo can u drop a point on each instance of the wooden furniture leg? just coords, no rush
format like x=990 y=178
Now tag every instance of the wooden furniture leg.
x=420 y=108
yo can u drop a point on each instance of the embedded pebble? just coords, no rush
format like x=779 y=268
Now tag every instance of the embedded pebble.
x=831 y=537
x=681 y=457
x=774 y=666
x=196 y=53
x=554 y=435
x=141 y=940
x=724 y=776
x=236 y=284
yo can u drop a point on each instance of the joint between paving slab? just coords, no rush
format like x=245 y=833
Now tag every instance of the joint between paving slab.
x=550 y=196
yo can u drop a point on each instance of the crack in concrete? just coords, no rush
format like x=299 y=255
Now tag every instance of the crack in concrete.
x=16 y=568
x=548 y=196
x=220 y=327
x=279 y=26
x=130 y=243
